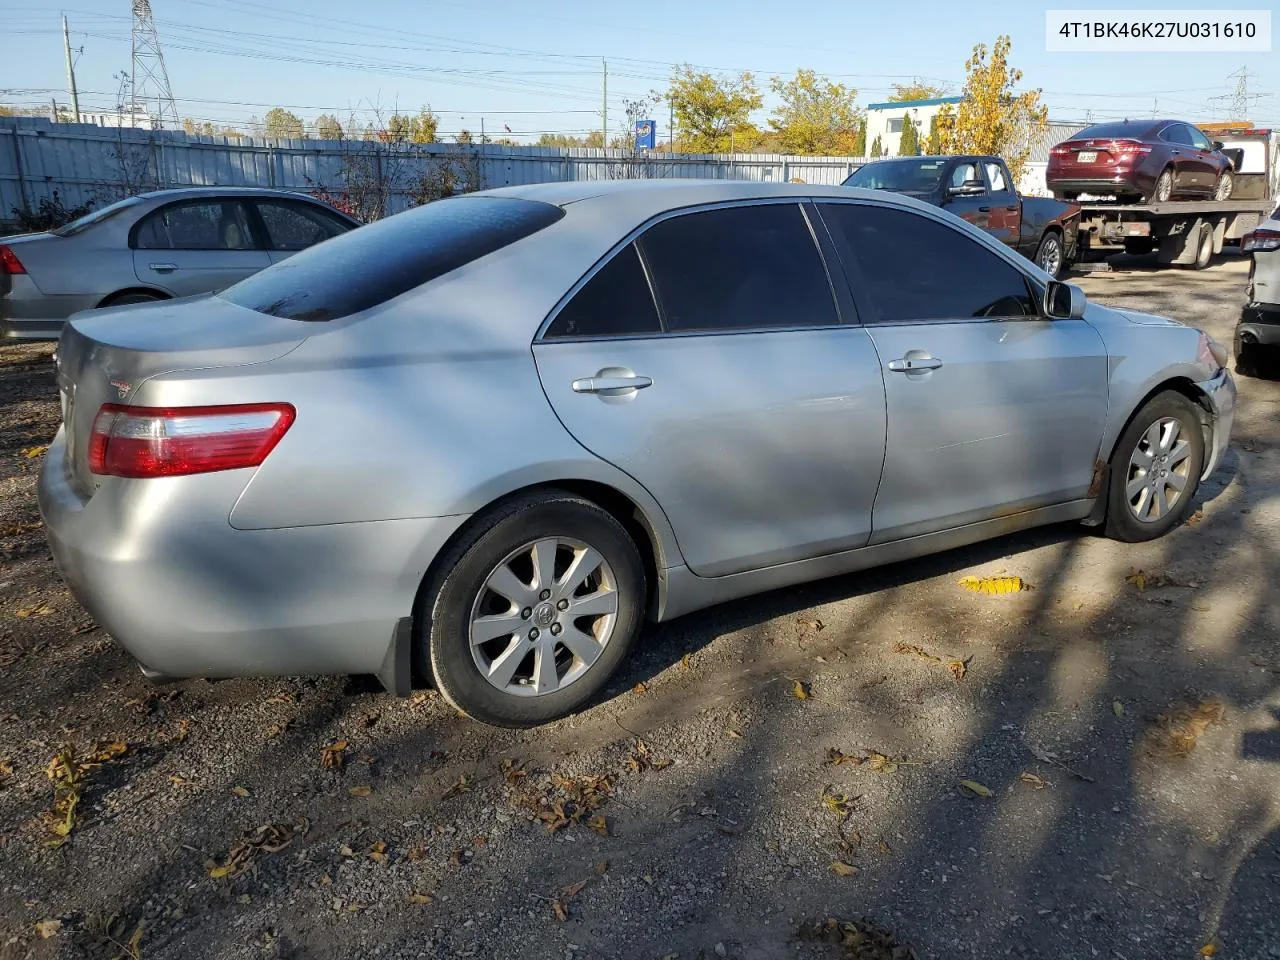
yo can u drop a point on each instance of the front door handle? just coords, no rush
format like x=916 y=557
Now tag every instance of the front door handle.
x=163 y=267
x=912 y=364
x=984 y=209
x=610 y=386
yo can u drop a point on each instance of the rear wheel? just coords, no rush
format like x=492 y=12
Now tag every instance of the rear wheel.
x=1253 y=359
x=1163 y=189
x=532 y=611
x=1204 y=248
x=1226 y=183
x=1049 y=256
x=1139 y=246
x=1155 y=470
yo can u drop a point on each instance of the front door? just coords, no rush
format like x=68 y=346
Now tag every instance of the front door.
x=196 y=246
x=1005 y=222
x=992 y=408
x=739 y=401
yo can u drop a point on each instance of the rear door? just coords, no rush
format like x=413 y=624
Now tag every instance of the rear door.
x=974 y=207
x=293 y=225
x=1005 y=222
x=196 y=246
x=992 y=408
x=735 y=396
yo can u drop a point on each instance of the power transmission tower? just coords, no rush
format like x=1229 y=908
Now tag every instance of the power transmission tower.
x=1240 y=99
x=150 y=78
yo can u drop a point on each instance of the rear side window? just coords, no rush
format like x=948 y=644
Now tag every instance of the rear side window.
x=296 y=226
x=199 y=225
x=913 y=268
x=738 y=268
x=378 y=262
x=616 y=302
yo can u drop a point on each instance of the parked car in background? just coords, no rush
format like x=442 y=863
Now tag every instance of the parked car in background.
x=981 y=191
x=481 y=440
x=170 y=243
x=1258 y=332
x=1149 y=160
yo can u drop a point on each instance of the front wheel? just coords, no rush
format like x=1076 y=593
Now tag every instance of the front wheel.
x=533 y=611
x=1049 y=256
x=1155 y=470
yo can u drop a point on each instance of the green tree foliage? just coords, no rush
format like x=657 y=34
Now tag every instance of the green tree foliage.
x=935 y=137
x=915 y=90
x=408 y=128
x=281 y=124
x=876 y=149
x=327 y=127
x=992 y=118
x=860 y=139
x=713 y=114
x=909 y=142
x=814 y=115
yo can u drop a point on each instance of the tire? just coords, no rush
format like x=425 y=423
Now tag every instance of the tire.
x=1163 y=189
x=127 y=298
x=1204 y=248
x=1139 y=246
x=1140 y=519
x=1050 y=256
x=1247 y=359
x=1226 y=183
x=499 y=548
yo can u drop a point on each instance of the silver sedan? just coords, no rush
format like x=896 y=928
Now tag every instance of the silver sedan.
x=479 y=442
x=170 y=243
x=1258 y=332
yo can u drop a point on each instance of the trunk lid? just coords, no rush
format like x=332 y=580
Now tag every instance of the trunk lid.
x=104 y=356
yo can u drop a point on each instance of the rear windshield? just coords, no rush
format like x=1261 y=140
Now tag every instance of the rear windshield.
x=909 y=176
x=97 y=216
x=1100 y=131
x=373 y=264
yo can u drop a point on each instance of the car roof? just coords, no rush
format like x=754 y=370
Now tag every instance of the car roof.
x=178 y=193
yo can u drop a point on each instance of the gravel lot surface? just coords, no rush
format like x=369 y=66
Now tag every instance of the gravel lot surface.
x=1126 y=727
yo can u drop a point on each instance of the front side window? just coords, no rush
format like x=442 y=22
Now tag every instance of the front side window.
x=296 y=226
x=738 y=268
x=965 y=173
x=995 y=173
x=616 y=302
x=913 y=268
x=200 y=225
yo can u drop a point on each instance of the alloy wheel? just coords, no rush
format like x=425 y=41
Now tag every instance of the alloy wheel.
x=1050 y=259
x=543 y=616
x=1159 y=471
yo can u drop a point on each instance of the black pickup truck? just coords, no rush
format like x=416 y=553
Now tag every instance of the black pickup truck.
x=980 y=190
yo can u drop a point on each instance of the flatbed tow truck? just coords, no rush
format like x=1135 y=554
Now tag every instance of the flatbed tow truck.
x=1188 y=232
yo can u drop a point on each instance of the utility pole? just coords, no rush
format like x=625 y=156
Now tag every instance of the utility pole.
x=54 y=115
x=604 y=102
x=71 y=71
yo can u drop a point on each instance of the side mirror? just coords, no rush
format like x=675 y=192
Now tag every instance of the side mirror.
x=1064 y=301
x=1218 y=145
x=967 y=189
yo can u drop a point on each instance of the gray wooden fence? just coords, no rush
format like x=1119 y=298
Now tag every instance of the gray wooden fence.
x=96 y=165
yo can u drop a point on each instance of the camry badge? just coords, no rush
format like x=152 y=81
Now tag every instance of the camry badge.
x=122 y=388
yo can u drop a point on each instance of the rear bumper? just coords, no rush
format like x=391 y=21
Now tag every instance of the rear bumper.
x=28 y=314
x=1259 y=323
x=1103 y=185
x=1221 y=391
x=157 y=564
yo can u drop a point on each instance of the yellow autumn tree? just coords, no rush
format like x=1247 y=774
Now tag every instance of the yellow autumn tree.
x=993 y=118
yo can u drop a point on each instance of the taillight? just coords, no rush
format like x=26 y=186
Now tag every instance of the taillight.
x=9 y=262
x=1060 y=151
x=168 y=442
x=1260 y=241
x=1128 y=148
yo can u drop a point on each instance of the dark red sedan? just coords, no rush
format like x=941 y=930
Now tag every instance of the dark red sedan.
x=1148 y=160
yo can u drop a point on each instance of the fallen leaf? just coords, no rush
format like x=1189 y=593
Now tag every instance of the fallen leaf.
x=514 y=772
x=39 y=610
x=1209 y=950
x=640 y=687
x=32 y=452
x=976 y=788
x=421 y=899
x=800 y=690
x=687 y=661
x=277 y=728
x=415 y=853
x=48 y=928
x=993 y=586
x=363 y=790
x=885 y=848
x=560 y=910
x=842 y=869
x=1195 y=518
x=283 y=696
x=1034 y=779
x=837 y=757
x=810 y=623
x=462 y=786
x=240 y=791
x=331 y=757
x=958 y=667
x=1117 y=708
x=378 y=851
x=346 y=851
x=571 y=891
x=602 y=868
x=880 y=763
x=837 y=803
x=1177 y=731
x=599 y=824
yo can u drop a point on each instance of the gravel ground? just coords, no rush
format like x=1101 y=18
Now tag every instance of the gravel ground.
x=1126 y=727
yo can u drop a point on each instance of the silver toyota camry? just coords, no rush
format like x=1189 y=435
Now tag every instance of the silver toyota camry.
x=169 y=243
x=480 y=442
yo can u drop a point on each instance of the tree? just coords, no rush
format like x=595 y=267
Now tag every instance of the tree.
x=282 y=124
x=935 y=138
x=465 y=137
x=876 y=149
x=815 y=116
x=860 y=139
x=909 y=142
x=200 y=129
x=594 y=139
x=560 y=140
x=327 y=127
x=915 y=90
x=713 y=114
x=992 y=118
x=404 y=128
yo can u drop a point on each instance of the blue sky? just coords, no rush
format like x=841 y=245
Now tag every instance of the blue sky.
x=537 y=67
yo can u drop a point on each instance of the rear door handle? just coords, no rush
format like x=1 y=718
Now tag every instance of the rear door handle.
x=610 y=385
x=163 y=267
x=912 y=364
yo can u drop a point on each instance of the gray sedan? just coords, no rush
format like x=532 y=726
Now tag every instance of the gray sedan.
x=170 y=243
x=1258 y=332
x=479 y=442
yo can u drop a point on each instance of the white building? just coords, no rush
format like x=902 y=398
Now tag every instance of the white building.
x=138 y=119
x=885 y=120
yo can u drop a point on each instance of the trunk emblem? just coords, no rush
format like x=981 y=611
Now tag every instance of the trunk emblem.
x=122 y=388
